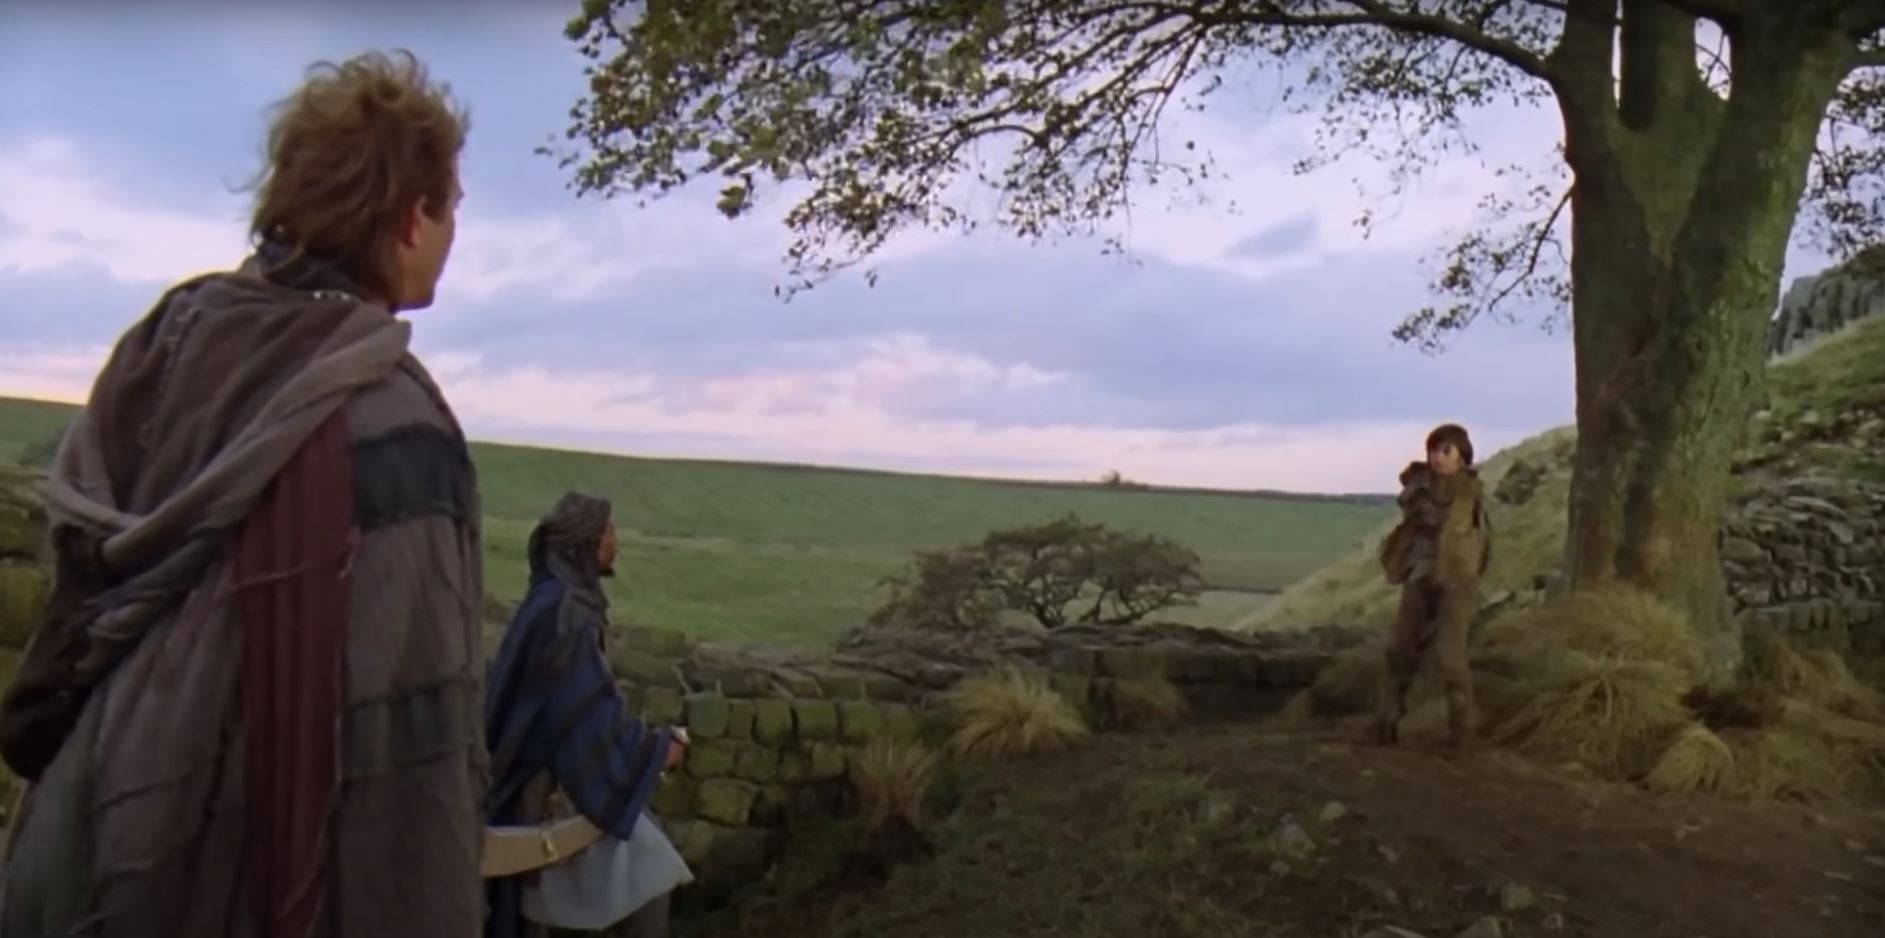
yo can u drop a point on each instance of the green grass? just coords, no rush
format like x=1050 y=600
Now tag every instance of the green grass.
x=1841 y=374
x=28 y=427
x=792 y=555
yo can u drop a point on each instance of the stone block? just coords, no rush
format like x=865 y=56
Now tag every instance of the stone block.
x=799 y=684
x=673 y=796
x=739 y=719
x=859 y=721
x=1074 y=661
x=756 y=763
x=663 y=643
x=725 y=800
x=642 y=669
x=838 y=685
x=707 y=715
x=772 y=720
x=711 y=758
x=815 y=719
x=886 y=688
x=732 y=681
x=827 y=761
x=1134 y=662
x=661 y=706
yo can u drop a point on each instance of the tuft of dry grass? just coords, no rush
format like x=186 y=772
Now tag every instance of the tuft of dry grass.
x=1697 y=760
x=1817 y=676
x=1627 y=623
x=1139 y=703
x=893 y=781
x=1600 y=676
x=1009 y=714
x=1611 y=714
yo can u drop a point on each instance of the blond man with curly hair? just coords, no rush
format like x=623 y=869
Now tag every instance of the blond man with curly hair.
x=251 y=707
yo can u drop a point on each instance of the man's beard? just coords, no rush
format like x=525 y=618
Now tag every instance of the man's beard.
x=607 y=570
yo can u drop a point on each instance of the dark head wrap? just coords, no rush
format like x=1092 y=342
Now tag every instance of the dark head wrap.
x=565 y=542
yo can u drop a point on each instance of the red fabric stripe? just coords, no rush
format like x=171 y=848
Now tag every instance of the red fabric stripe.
x=290 y=566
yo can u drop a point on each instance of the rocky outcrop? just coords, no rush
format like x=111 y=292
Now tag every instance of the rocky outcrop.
x=1821 y=304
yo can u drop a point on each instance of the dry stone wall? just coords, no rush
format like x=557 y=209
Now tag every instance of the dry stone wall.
x=1807 y=558
x=775 y=733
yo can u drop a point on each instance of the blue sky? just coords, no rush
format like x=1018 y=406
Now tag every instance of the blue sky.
x=1242 y=348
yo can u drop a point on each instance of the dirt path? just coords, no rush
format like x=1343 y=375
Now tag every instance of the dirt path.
x=1254 y=831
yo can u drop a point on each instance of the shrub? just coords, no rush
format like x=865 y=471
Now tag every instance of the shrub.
x=1009 y=714
x=1057 y=572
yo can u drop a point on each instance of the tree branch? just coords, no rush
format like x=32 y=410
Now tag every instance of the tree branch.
x=1581 y=68
x=1376 y=13
x=1725 y=12
x=1440 y=27
x=1866 y=58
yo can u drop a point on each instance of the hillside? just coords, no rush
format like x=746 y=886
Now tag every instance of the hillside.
x=792 y=554
x=1825 y=417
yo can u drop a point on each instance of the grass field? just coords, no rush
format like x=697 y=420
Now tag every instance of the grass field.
x=792 y=555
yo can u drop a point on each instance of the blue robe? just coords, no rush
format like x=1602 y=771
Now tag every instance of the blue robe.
x=551 y=704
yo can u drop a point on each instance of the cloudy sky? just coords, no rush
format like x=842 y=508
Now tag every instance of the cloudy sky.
x=1241 y=346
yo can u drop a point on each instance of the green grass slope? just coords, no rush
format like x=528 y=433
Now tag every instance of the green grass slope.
x=1816 y=398
x=792 y=554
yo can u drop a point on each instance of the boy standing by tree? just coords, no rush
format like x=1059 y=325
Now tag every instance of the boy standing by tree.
x=1436 y=554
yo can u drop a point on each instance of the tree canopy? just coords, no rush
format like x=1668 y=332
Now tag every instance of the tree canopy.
x=888 y=107
x=1684 y=168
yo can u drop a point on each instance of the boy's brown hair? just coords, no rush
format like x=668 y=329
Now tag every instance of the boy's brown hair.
x=1455 y=434
x=349 y=152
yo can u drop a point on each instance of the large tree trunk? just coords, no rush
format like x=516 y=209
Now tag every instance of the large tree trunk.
x=1682 y=210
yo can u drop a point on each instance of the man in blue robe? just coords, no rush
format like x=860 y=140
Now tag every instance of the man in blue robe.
x=557 y=727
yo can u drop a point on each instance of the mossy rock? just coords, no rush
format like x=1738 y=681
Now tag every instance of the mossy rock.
x=711 y=758
x=772 y=720
x=815 y=719
x=707 y=715
x=859 y=721
x=725 y=800
x=739 y=719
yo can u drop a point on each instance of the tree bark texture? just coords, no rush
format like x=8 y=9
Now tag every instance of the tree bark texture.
x=1682 y=207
